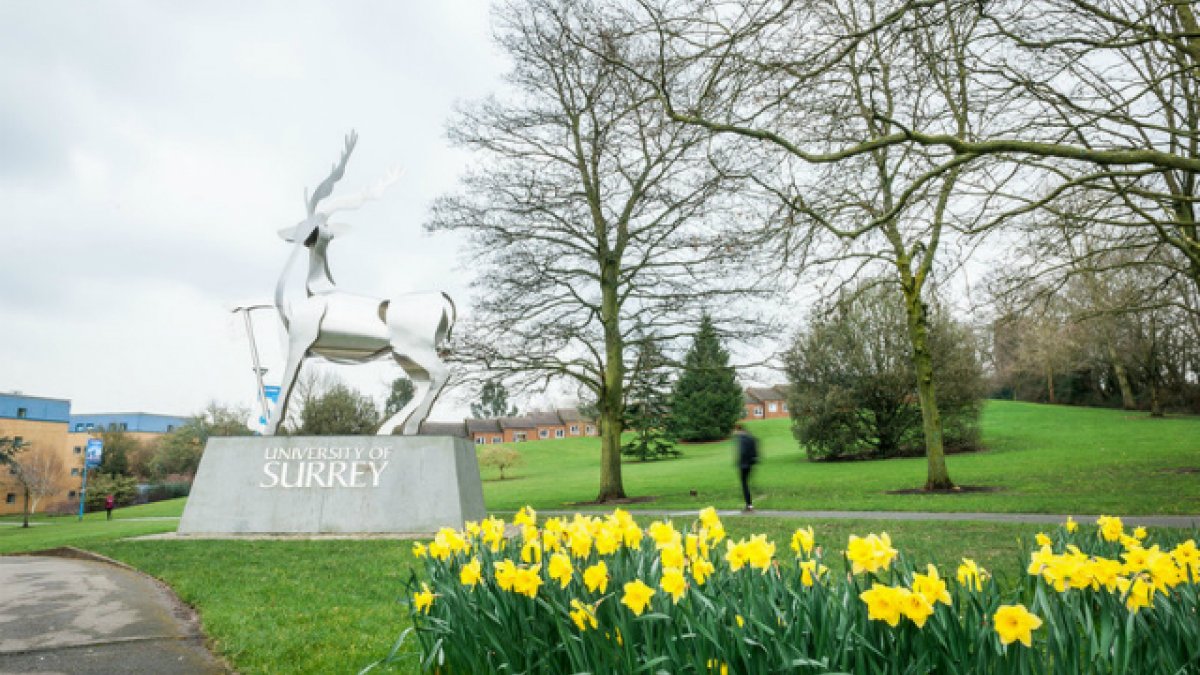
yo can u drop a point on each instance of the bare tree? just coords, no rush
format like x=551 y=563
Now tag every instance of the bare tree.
x=591 y=217
x=802 y=83
x=41 y=473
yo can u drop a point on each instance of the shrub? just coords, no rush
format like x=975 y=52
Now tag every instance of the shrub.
x=853 y=387
x=499 y=457
x=707 y=399
x=602 y=595
x=99 y=485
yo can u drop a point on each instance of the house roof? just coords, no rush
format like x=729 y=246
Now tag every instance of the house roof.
x=522 y=422
x=763 y=393
x=545 y=418
x=483 y=426
x=443 y=429
x=570 y=415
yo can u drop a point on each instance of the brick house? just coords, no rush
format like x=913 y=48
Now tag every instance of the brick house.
x=484 y=431
x=765 y=403
x=532 y=426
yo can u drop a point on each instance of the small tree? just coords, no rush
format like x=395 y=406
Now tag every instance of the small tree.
x=400 y=396
x=500 y=458
x=122 y=488
x=339 y=411
x=854 y=389
x=707 y=400
x=179 y=451
x=647 y=410
x=118 y=445
x=493 y=402
x=39 y=472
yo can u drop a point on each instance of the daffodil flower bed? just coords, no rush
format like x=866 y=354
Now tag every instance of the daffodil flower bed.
x=603 y=595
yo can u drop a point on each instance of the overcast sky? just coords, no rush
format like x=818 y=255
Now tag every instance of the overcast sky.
x=150 y=151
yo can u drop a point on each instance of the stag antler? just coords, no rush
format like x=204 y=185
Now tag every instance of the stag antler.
x=326 y=187
x=351 y=202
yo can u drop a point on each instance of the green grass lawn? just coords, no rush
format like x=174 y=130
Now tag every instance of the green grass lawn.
x=1043 y=459
x=334 y=606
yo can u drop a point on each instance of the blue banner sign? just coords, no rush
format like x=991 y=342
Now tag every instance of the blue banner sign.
x=95 y=452
x=271 y=393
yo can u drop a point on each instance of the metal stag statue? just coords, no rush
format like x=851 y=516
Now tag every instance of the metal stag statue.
x=342 y=327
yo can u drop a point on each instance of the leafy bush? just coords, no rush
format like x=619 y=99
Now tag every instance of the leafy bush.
x=602 y=595
x=499 y=457
x=99 y=485
x=853 y=387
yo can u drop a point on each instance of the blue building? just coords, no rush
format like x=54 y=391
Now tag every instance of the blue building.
x=138 y=422
x=34 y=408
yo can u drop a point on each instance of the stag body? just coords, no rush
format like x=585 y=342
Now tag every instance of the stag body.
x=349 y=328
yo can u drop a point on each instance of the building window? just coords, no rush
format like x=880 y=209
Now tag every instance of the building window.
x=758 y=411
x=124 y=426
x=590 y=430
x=75 y=471
x=11 y=498
x=559 y=433
x=497 y=439
x=574 y=429
x=518 y=436
x=18 y=441
x=170 y=428
x=543 y=433
x=90 y=426
x=772 y=407
x=71 y=494
x=79 y=426
x=479 y=440
x=79 y=449
x=784 y=407
x=22 y=412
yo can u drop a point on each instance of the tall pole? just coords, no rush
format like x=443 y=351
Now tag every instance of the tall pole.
x=83 y=489
x=258 y=369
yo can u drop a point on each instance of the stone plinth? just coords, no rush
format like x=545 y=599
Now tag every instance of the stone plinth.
x=334 y=484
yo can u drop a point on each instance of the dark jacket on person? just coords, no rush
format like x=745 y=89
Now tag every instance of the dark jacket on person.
x=747 y=448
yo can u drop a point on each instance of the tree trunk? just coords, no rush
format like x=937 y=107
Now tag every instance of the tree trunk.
x=938 y=477
x=1156 y=409
x=1050 y=386
x=610 y=402
x=1127 y=400
x=26 y=519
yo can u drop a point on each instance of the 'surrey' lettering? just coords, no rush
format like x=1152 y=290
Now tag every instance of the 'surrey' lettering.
x=324 y=467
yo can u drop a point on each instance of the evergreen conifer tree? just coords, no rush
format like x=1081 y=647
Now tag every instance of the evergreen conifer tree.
x=707 y=400
x=648 y=408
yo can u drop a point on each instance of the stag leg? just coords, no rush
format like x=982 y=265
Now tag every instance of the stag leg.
x=420 y=380
x=300 y=339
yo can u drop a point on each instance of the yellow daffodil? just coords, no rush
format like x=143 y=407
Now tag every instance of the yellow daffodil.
x=811 y=571
x=632 y=536
x=471 y=573
x=883 y=603
x=583 y=615
x=637 y=596
x=419 y=550
x=1139 y=533
x=526 y=516
x=506 y=574
x=607 y=540
x=702 y=569
x=472 y=528
x=915 y=606
x=931 y=587
x=740 y=621
x=424 y=600
x=1071 y=525
x=560 y=569
x=663 y=533
x=673 y=583
x=596 y=577
x=527 y=581
x=971 y=575
x=759 y=552
x=1042 y=539
x=802 y=540
x=1014 y=622
x=672 y=556
x=718 y=667
x=1111 y=527
x=709 y=517
x=870 y=554
x=1137 y=592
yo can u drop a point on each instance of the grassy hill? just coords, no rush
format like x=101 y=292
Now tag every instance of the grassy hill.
x=1042 y=458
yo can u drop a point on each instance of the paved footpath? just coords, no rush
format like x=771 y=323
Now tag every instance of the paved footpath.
x=1192 y=521
x=64 y=615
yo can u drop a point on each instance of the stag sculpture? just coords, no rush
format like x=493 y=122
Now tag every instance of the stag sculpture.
x=342 y=327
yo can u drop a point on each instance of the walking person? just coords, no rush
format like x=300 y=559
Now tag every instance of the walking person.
x=747 y=457
x=108 y=505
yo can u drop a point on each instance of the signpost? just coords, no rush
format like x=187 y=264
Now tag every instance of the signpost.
x=91 y=459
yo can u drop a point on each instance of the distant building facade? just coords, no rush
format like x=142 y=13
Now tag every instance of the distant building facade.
x=47 y=423
x=765 y=403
